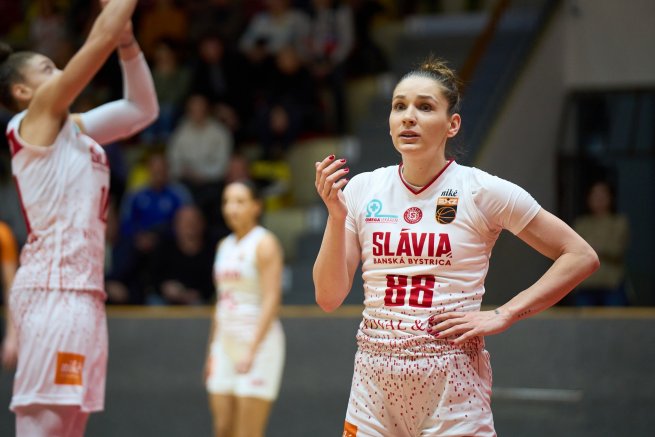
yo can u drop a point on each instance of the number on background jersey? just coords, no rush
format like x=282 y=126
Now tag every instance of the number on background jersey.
x=420 y=293
x=104 y=204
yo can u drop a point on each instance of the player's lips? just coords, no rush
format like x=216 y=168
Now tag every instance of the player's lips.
x=409 y=135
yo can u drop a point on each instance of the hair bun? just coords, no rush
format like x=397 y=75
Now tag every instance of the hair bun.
x=5 y=52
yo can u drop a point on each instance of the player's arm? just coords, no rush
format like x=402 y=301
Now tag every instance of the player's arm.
x=339 y=254
x=574 y=260
x=57 y=94
x=270 y=263
x=139 y=106
x=335 y=265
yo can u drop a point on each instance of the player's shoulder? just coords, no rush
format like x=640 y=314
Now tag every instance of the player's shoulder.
x=366 y=177
x=268 y=244
x=485 y=181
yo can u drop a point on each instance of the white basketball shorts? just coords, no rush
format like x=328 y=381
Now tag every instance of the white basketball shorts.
x=444 y=395
x=264 y=378
x=62 y=348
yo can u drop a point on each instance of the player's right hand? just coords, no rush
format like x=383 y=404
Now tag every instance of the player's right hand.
x=329 y=183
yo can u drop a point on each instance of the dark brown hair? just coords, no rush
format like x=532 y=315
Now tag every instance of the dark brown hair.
x=11 y=64
x=438 y=70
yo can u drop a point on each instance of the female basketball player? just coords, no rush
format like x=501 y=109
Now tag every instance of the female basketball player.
x=62 y=175
x=246 y=348
x=424 y=230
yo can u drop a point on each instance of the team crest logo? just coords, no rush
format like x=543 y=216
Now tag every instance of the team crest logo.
x=413 y=215
x=374 y=213
x=446 y=209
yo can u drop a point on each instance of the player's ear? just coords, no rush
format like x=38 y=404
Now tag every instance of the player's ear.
x=455 y=124
x=21 y=92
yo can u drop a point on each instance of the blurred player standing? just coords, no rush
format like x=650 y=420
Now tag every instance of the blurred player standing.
x=247 y=343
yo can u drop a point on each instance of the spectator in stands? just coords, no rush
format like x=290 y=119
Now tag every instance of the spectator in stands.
x=8 y=266
x=366 y=58
x=199 y=153
x=171 y=83
x=331 y=41
x=147 y=216
x=47 y=29
x=220 y=75
x=277 y=27
x=165 y=19
x=607 y=232
x=121 y=280
x=183 y=265
x=288 y=106
x=207 y=15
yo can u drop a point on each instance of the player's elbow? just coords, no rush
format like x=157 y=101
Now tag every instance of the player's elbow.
x=588 y=260
x=151 y=114
x=327 y=299
x=328 y=305
x=592 y=260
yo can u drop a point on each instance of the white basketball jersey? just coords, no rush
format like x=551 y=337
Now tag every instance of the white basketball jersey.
x=426 y=251
x=63 y=190
x=235 y=272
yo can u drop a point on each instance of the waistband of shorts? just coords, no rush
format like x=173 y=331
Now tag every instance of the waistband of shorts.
x=419 y=345
x=100 y=294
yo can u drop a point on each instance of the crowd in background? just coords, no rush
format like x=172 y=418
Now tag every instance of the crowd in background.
x=237 y=81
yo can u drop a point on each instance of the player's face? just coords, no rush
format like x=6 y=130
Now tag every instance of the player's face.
x=419 y=119
x=36 y=71
x=240 y=209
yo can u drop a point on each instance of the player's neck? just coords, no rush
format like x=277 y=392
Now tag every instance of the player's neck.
x=240 y=233
x=419 y=173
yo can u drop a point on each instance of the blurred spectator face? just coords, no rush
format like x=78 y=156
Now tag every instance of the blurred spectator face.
x=240 y=209
x=164 y=57
x=322 y=4
x=277 y=6
x=158 y=169
x=600 y=198
x=211 y=50
x=189 y=223
x=288 y=61
x=197 y=109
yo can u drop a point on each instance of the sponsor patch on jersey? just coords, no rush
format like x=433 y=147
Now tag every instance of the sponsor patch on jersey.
x=375 y=214
x=349 y=430
x=98 y=157
x=69 y=368
x=446 y=209
x=413 y=215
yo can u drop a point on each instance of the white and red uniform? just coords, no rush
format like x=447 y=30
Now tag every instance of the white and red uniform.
x=425 y=251
x=236 y=319
x=57 y=298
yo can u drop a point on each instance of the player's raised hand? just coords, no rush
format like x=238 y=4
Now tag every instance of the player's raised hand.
x=330 y=180
x=128 y=33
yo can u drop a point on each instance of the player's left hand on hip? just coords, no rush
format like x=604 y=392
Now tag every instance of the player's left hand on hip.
x=457 y=327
